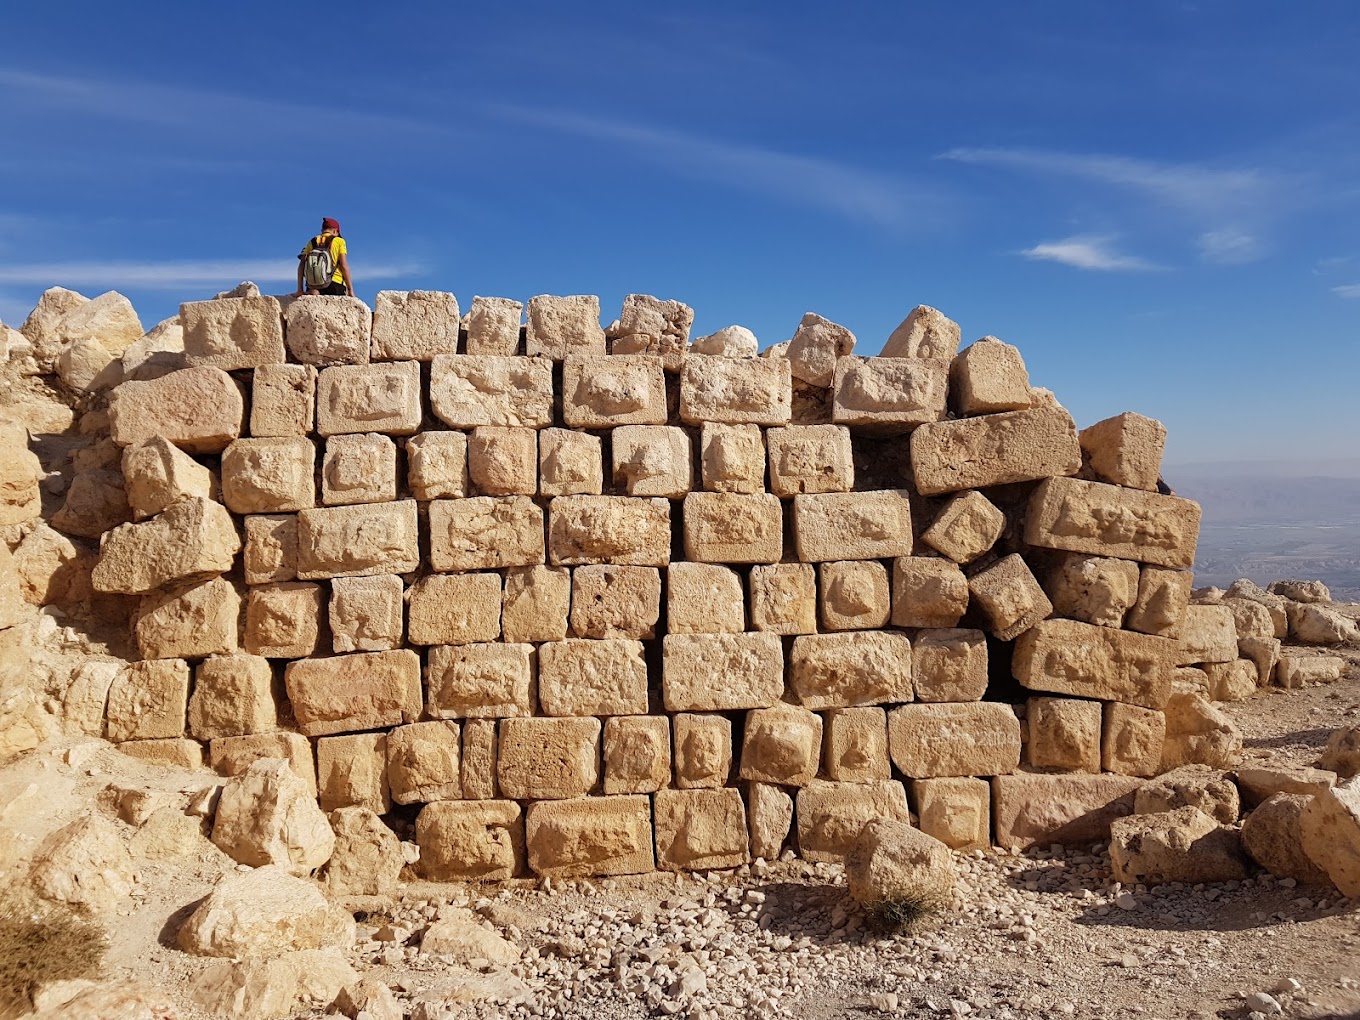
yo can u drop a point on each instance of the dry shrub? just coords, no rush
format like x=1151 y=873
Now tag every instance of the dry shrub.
x=888 y=917
x=42 y=942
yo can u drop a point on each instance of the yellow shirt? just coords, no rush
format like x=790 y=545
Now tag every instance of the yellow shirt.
x=337 y=247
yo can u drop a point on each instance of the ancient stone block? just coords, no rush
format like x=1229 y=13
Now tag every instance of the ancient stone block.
x=810 y=459
x=769 y=817
x=637 y=754
x=950 y=665
x=1298 y=671
x=20 y=474
x=1064 y=734
x=354 y=541
x=609 y=601
x=485 y=533
x=233 y=333
x=852 y=525
x=841 y=670
x=856 y=747
x=436 y=465
x=736 y=391
x=609 y=529
x=351 y=771
x=503 y=461
x=271 y=548
x=1251 y=619
x=989 y=376
x=414 y=325
x=1163 y=596
x=1260 y=782
x=732 y=458
x=454 y=609
x=188 y=620
x=832 y=815
x=467 y=391
x=232 y=756
x=1210 y=790
x=170 y=752
x=1068 y=657
x=1009 y=596
x=493 y=326
x=648 y=325
x=283 y=400
x=233 y=696
x=704 y=598
x=363 y=691
x=855 y=595
x=1207 y=635
x=1184 y=845
x=1107 y=520
x=369 y=398
x=653 y=460
x=200 y=410
x=559 y=326
x=548 y=759
x=595 y=836
x=492 y=680
x=959 y=739
x=924 y=333
x=1131 y=740
x=599 y=393
x=479 y=760
x=147 y=700
x=581 y=677
x=782 y=744
x=966 y=528
x=1070 y=809
x=888 y=396
x=1330 y=824
x=721 y=672
x=784 y=598
x=700 y=830
x=569 y=463
x=193 y=538
x=956 y=810
x=995 y=449
x=815 y=348
x=157 y=473
x=366 y=613
x=422 y=762
x=470 y=840
x=928 y=591
x=1272 y=835
x=359 y=469
x=325 y=330
x=1197 y=733
x=535 y=603
x=262 y=476
x=1264 y=655
x=1231 y=681
x=1093 y=589
x=1126 y=450
x=703 y=750
x=730 y=527
x=96 y=501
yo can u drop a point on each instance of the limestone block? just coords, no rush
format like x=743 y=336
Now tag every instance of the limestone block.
x=1093 y=589
x=1301 y=591
x=1231 y=681
x=653 y=460
x=1197 y=733
x=362 y=691
x=87 y=696
x=1208 y=635
x=95 y=502
x=493 y=326
x=960 y=739
x=1190 y=680
x=283 y=621
x=1272 y=836
x=271 y=549
x=479 y=760
x=1184 y=845
x=1126 y=450
x=856 y=745
x=582 y=677
x=732 y=458
x=325 y=330
x=369 y=398
x=503 y=461
x=170 y=752
x=367 y=862
x=569 y=463
x=1010 y=597
x=600 y=393
x=609 y=601
x=842 y=670
x=471 y=390
x=996 y=449
x=852 y=525
x=637 y=754
x=156 y=474
x=956 y=810
x=596 y=836
x=855 y=595
x=535 y=603
x=414 y=325
x=200 y=410
x=1107 y=520
x=1331 y=834
x=1068 y=657
x=815 y=348
x=1211 y=790
x=721 y=672
x=351 y=771
x=548 y=759
x=232 y=756
x=20 y=473
x=82 y=865
x=1031 y=808
x=188 y=620
x=889 y=396
x=470 y=841
x=1260 y=782
x=485 y=533
x=268 y=815
x=966 y=528
x=1274 y=604
x=894 y=863
x=269 y=475
x=703 y=598
x=924 y=333
x=423 y=763
x=1318 y=625
x=233 y=696
x=559 y=326
x=736 y=391
x=283 y=400
x=730 y=527
x=810 y=459
x=454 y=609
x=652 y=326
x=1300 y=670
x=769 y=817
x=700 y=830
x=609 y=529
x=928 y=591
x=48 y=569
x=148 y=700
x=1251 y=619
x=490 y=680
x=703 y=750
x=1264 y=655
x=729 y=342
x=1064 y=734
x=832 y=815
x=782 y=744
x=366 y=613
x=784 y=598
x=1131 y=740
x=989 y=376
x=436 y=465
x=1163 y=596
x=360 y=468
x=233 y=333
x=950 y=665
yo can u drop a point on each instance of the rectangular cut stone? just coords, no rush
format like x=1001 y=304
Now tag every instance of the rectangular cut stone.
x=1064 y=734
x=700 y=830
x=810 y=459
x=360 y=468
x=271 y=548
x=233 y=333
x=1131 y=740
x=994 y=449
x=852 y=525
x=582 y=677
x=485 y=533
x=1125 y=450
x=736 y=391
x=422 y=763
x=200 y=410
x=563 y=325
x=436 y=465
x=353 y=541
x=950 y=665
x=1163 y=596
x=703 y=750
x=569 y=463
x=233 y=696
x=470 y=840
x=366 y=613
x=269 y=476
x=856 y=749
x=637 y=754
x=479 y=760
x=966 y=528
x=956 y=810
x=1030 y=808
x=989 y=376
x=487 y=681
x=732 y=458
x=1009 y=596
x=471 y=390
x=781 y=744
x=609 y=529
x=454 y=609
x=928 y=591
x=148 y=701
x=1093 y=589
x=653 y=460
x=832 y=815
x=855 y=595
x=493 y=326
x=1209 y=634
x=326 y=330
x=731 y=527
x=1108 y=520
x=188 y=621
x=171 y=752
x=721 y=672
x=414 y=325
x=548 y=759
x=784 y=598
x=595 y=836
x=363 y=691
x=231 y=756
x=841 y=670
x=192 y=539
x=889 y=395
x=1081 y=659
x=283 y=621
x=351 y=771
x=975 y=738
x=623 y=389
x=156 y=473
x=503 y=461
x=369 y=398
x=653 y=326
x=283 y=400
x=704 y=598
x=611 y=601
x=535 y=603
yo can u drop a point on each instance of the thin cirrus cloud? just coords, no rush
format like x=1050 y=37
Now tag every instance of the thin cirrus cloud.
x=1088 y=252
x=1347 y=290
x=173 y=274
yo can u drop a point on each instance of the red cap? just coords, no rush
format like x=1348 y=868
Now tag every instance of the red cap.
x=330 y=224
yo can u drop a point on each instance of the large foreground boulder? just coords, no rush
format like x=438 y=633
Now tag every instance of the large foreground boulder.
x=1184 y=845
x=1273 y=836
x=310 y=979
x=1318 y=625
x=1342 y=754
x=1331 y=834
x=268 y=815
x=263 y=913
x=84 y=864
x=892 y=862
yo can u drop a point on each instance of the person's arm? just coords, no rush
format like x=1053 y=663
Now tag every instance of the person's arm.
x=344 y=271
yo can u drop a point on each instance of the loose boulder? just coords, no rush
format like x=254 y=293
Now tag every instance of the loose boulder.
x=1272 y=835
x=1342 y=754
x=1331 y=834
x=84 y=864
x=1184 y=845
x=1318 y=625
x=263 y=913
x=462 y=936
x=311 y=979
x=1197 y=733
x=367 y=859
x=891 y=862
x=1210 y=790
x=268 y=815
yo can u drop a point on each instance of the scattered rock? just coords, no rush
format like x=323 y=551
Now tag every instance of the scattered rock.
x=1301 y=591
x=1331 y=834
x=1272 y=835
x=1210 y=790
x=84 y=864
x=1342 y=754
x=367 y=859
x=892 y=862
x=310 y=979
x=1184 y=845
x=262 y=913
x=268 y=815
x=462 y=937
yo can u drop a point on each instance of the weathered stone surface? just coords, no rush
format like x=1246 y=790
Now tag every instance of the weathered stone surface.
x=159 y=352
x=233 y=695
x=169 y=752
x=43 y=325
x=599 y=393
x=569 y=463
x=855 y=595
x=769 y=817
x=233 y=333
x=50 y=569
x=581 y=677
x=188 y=620
x=461 y=937
x=1231 y=681
x=194 y=538
x=782 y=744
x=559 y=326
x=269 y=475
x=470 y=841
x=700 y=830
x=148 y=700
x=369 y=995
x=832 y=815
x=363 y=691
x=637 y=754
x=325 y=330
x=351 y=771
x=884 y=395
x=1211 y=790
x=1207 y=635
x=1093 y=589
x=367 y=860
x=454 y=609
x=858 y=526
x=360 y=468
x=950 y=665
x=810 y=459
x=1125 y=450
x=423 y=763
x=1251 y=619
x=891 y=862
x=1032 y=808
x=956 y=810
x=369 y=398
x=232 y=756
x=704 y=598
x=356 y=541
x=485 y=533
x=270 y=548
x=1263 y=654
x=86 y=366
x=1330 y=824
x=784 y=598
x=85 y=865
x=928 y=591
x=1197 y=733
x=1273 y=837
x=283 y=621
x=609 y=529
x=157 y=473
x=414 y=325
x=989 y=376
x=960 y=739
x=548 y=759
x=1275 y=605
x=20 y=473
x=736 y=391
x=728 y=342
x=1301 y=591
x=732 y=458
x=471 y=390
x=842 y=670
x=594 y=836
x=535 y=603
x=996 y=449
x=264 y=912
x=1064 y=734
x=1184 y=845
x=1010 y=597
x=966 y=528
x=653 y=460
x=95 y=502
x=263 y=989
x=1107 y=520
x=480 y=681
x=816 y=346
x=503 y=461
x=730 y=527
x=479 y=760
x=283 y=400
x=1260 y=782
x=856 y=745
x=703 y=750
x=87 y=695
x=1131 y=740
x=924 y=333
x=1318 y=625
x=366 y=613
x=721 y=672
x=1068 y=657
x=1342 y=753
x=493 y=326
x=267 y=815
x=436 y=465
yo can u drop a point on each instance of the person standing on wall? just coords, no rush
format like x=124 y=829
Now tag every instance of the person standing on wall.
x=323 y=265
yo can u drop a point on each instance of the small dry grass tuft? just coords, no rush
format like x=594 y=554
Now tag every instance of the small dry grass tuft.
x=42 y=942
x=888 y=917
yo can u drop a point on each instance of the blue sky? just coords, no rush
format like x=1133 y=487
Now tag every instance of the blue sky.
x=1157 y=202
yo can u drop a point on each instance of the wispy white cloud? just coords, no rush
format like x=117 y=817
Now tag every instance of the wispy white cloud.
x=1229 y=247
x=171 y=274
x=1347 y=290
x=1088 y=252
